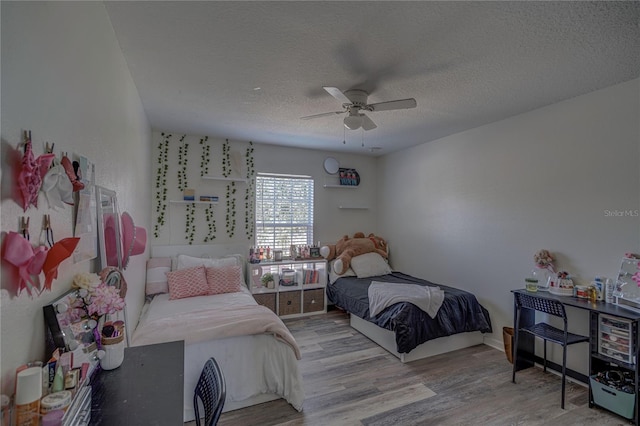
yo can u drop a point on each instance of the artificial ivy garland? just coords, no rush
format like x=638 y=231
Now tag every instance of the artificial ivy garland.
x=161 y=183
x=231 y=190
x=204 y=170
x=183 y=152
x=190 y=228
x=190 y=209
x=205 y=158
x=211 y=223
x=249 y=195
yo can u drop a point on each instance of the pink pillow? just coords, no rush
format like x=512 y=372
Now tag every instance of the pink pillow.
x=157 y=268
x=187 y=282
x=225 y=279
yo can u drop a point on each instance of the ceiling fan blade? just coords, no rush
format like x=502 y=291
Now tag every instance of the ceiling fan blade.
x=399 y=104
x=337 y=93
x=367 y=123
x=324 y=114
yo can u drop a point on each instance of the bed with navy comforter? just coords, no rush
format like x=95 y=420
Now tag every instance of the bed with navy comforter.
x=460 y=311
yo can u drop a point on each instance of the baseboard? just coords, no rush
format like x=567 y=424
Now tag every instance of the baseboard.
x=494 y=343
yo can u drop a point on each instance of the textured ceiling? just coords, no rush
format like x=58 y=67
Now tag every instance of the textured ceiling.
x=250 y=70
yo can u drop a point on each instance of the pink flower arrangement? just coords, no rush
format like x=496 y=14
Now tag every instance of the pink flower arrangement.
x=96 y=297
x=544 y=259
x=105 y=300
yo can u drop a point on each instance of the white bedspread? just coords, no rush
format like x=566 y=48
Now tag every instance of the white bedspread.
x=257 y=353
x=384 y=294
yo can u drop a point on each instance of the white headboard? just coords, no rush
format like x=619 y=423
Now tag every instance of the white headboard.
x=204 y=250
x=200 y=250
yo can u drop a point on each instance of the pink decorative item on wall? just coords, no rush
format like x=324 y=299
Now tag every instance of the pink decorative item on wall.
x=31 y=174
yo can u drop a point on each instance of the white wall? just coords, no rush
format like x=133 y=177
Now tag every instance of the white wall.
x=65 y=78
x=471 y=209
x=330 y=222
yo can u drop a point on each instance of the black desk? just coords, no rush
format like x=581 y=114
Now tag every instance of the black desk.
x=147 y=389
x=597 y=362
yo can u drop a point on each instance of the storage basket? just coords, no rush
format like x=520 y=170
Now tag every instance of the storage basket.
x=313 y=300
x=507 y=336
x=113 y=352
x=268 y=300
x=612 y=399
x=289 y=302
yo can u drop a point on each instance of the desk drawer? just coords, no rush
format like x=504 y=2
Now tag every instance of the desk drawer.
x=615 y=338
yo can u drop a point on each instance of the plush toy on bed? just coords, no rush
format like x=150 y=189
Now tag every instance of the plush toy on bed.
x=347 y=248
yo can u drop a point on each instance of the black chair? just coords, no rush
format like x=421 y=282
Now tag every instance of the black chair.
x=544 y=330
x=211 y=391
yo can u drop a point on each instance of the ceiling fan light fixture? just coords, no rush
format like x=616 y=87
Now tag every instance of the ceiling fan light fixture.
x=352 y=122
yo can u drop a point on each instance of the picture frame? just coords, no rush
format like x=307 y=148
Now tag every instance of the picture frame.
x=314 y=251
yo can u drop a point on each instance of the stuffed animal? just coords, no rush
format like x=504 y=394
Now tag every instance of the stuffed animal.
x=347 y=248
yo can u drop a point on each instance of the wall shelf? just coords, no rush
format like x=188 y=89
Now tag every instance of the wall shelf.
x=353 y=207
x=340 y=186
x=192 y=202
x=229 y=179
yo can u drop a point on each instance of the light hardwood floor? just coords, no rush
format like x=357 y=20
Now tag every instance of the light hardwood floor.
x=349 y=380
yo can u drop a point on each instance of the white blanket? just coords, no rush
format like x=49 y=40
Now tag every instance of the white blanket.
x=254 y=365
x=383 y=294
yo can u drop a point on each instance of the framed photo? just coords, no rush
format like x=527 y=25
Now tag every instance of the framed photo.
x=314 y=251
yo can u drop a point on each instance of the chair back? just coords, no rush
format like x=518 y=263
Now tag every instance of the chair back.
x=551 y=307
x=211 y=391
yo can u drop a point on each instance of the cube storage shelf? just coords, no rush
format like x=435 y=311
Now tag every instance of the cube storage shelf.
x=299 y=286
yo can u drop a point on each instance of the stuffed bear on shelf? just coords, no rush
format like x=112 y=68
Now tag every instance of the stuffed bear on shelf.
x=347 y=248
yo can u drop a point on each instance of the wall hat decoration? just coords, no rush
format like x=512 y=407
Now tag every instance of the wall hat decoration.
x=134 y=239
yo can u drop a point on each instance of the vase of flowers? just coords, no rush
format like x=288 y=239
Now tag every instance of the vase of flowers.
x=543 y=271
x=99 y=300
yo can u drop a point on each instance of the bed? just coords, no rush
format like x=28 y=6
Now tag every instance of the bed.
x=402 y=328
x=257 y=353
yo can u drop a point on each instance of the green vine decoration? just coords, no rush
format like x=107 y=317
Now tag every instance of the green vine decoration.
x=161 y=183
x=249 y=194
x=211 y=223
x=226 y=160
x=183 y=155
x=205 y=157
x=190 y=225
x=231 y=209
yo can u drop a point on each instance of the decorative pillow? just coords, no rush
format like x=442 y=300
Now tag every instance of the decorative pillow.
x=370 y=265
x=188 y=282
x=333 y=276
x=157 y=268
x=225 y=279
x=185 y=261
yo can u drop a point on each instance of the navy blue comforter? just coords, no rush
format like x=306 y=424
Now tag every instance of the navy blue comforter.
x=460 y=312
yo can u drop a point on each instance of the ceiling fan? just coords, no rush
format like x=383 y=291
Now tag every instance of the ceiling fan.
x=354 y=103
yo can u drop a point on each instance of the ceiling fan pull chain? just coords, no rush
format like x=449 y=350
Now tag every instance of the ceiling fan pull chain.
x=344 y=135
x=362 y=133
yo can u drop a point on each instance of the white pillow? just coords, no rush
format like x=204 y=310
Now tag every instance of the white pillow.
x=370 y=265
x=333 y=276
x=185 y=261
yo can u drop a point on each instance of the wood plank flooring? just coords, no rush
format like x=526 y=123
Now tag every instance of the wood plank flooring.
x=349 y=380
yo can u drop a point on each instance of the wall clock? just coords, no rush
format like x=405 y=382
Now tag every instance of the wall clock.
x=331 y=165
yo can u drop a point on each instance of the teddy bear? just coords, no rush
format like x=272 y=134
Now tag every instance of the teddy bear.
x=347 y=248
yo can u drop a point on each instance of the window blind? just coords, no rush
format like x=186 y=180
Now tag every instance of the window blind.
x=284 y=211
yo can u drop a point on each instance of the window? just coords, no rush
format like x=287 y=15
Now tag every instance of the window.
x=284 y=211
